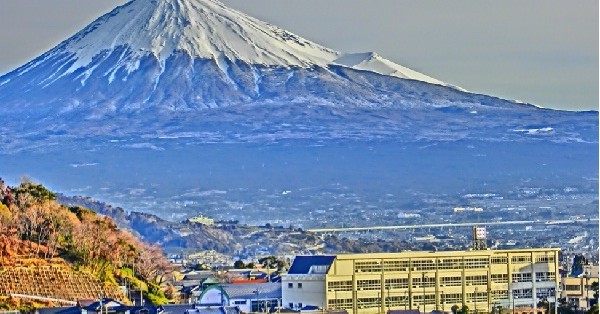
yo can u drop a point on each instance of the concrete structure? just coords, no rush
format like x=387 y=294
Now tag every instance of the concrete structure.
x=249 y=297
x=304 y=284
x=577 y=290
x=423 y=281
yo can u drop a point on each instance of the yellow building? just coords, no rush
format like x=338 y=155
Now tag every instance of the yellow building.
x=424 y=281
x=577 y=291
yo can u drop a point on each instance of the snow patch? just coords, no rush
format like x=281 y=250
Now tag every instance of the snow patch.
x=539 y=131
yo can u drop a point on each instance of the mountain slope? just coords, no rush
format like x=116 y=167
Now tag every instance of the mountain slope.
x=197 y=69
x=161 y=100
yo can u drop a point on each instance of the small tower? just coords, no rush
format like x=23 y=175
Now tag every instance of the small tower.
x=479 y=238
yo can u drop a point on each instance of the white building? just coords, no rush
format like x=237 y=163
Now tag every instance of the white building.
x=248 y=297
x=304 y=284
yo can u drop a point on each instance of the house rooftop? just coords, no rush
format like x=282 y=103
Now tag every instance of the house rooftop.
x=302 y=264
x=268 y=290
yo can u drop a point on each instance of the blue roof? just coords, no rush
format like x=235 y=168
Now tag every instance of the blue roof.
x=302 y=264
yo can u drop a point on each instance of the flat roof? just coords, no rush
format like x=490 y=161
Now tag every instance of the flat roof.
x=411 y=254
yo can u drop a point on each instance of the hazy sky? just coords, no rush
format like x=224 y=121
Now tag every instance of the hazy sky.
x=544 y=51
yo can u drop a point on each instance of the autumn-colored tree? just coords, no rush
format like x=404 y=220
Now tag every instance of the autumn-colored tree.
x=34 y=224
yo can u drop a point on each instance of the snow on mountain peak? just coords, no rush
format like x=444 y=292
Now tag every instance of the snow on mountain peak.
x=371 y=61
x=204 y=29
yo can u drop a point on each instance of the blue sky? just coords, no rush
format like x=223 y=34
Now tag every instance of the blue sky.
x=544 y=51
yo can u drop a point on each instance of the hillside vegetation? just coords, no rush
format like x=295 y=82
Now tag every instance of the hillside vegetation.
x=36 y=232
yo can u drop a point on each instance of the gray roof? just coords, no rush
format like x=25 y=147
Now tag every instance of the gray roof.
x=267 y=290
x=218 y=310
x=176 y=308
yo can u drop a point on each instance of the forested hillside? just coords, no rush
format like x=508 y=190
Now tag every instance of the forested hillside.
x=36 y=231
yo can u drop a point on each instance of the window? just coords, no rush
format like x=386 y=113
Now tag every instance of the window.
x=345 y=285
x=522 y=293
x=499 y=294
x=545 y=276
x=242 y=302
x=300 y=305
x=368 y=302
x=290 y=285
x=291 y=305
x=299 y=285
x=396 y=283
x=499 y=260
x=367 y=267
x=521 y=277
x=429 y=299
x=521 y=259
x=544 y=259
x=423 y=264
x=450 y=263
x=477 y=296
x=500 y=278
x=573 y=287
x=369 y=284
x=451 y=298
x=477 y=280
x=395 y=265
x=476 y=263
x=451 y=281
x=544 y=292
x=424 y=282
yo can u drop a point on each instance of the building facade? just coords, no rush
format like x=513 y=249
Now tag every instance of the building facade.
x=577 y=291
x=424 y=281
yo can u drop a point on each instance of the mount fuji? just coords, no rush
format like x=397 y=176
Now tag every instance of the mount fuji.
x=163 y=77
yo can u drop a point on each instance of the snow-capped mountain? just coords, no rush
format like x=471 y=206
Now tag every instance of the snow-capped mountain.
x=196 y=68
x=159 y=101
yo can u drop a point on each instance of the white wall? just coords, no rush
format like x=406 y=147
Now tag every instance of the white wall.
x=213 y=296
x=311 y=293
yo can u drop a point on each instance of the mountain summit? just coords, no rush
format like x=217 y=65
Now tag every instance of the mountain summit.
x=199 y=29
x=163 y=68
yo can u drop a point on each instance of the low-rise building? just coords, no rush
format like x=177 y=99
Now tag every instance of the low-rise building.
x=249 y=297
x=423 y=281
x=577 y=290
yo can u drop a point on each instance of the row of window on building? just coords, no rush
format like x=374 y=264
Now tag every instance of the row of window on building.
x=429 y=299
x=445 y=263
x=429 y=282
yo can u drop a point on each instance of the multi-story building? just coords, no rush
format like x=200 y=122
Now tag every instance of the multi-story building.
x=577 y=290
x=424 y=281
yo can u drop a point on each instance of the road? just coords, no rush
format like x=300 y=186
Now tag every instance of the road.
x=460 y=224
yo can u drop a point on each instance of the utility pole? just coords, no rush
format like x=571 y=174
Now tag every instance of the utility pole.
x=443 y=297
x=475 y=299
x=587 y=290
x=388 y=297
x=423 y=284
x=513 y=299
x=257 y=301
x=556 y=283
